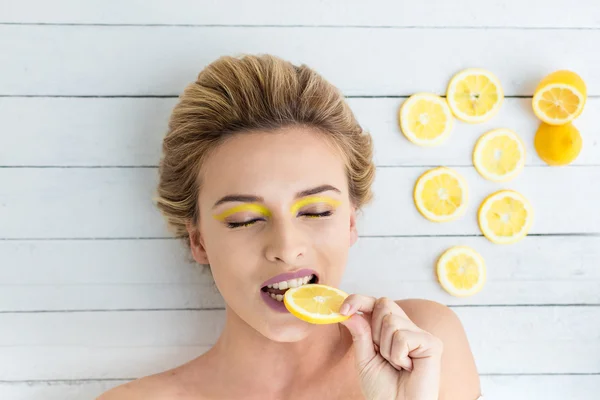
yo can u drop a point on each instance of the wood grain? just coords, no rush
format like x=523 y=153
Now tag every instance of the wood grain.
x=117 y=203
x=94 y=293
x=140 y=61
x=380 y=13
x=514 y=387
x=157 y=274
x=128 y=132
x=513 y=340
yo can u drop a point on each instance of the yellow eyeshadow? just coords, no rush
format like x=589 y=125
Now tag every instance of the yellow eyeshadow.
x=257 y=208
x=311 y=200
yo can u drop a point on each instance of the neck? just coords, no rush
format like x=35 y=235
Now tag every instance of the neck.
x=245 y=356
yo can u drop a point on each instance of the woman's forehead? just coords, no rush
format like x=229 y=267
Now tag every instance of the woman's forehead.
x=272 y=164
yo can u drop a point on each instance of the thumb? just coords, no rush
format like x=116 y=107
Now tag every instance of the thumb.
x=360 y=329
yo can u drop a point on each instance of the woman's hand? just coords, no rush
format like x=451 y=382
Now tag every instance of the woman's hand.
x=396 y=360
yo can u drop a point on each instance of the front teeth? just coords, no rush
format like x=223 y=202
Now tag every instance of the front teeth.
x=292 y=283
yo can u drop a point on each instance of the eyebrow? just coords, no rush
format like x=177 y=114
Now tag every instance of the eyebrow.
x=244 y=198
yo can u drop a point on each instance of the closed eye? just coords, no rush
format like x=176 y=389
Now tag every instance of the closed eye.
x=234 y=225
x=316 y=215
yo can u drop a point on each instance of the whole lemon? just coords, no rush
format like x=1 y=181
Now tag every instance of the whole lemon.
x=560 y=97
x=557 y=144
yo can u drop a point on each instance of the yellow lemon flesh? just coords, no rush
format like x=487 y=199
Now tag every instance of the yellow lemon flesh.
x=474 y=95
x=461 y=271
x=559 y=97
x=499 y=155
x=441 y=194
x=505 y=217
x=426 y=119
x=557 y=144
x=315 y=303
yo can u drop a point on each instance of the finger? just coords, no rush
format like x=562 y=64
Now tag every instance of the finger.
x=390 y=325
x=400 y=347
x=360 y=329
x=409 y=346
x=357 y=302
x=382 y=307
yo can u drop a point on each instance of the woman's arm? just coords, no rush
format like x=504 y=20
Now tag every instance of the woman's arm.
x=459 y=376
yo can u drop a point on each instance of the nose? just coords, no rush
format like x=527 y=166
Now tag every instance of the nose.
x=286 y=243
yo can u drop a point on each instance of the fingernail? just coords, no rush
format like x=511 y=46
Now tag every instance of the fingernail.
x=345 y=308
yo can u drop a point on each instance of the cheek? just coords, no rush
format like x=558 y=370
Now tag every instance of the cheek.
x=232 y=269
x=333 y=236
x=330 y=248
x=229 y=251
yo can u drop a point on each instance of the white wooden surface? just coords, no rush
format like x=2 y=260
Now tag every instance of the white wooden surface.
x=378 y=13
x=93 y=292
x=128 y=132
x=160 y=60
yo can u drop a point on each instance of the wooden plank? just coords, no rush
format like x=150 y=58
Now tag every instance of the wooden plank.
x=540 y=270
x=122 y=345
x=127 y=60
x=575 y=387
x=60 y=390
x=83 y=131
x=387 y=13
x=100 y=362
x=132 y=189
x=116 y=202
x=563 y=202
x=156 y=274
x=129 y=131
x=514 y=387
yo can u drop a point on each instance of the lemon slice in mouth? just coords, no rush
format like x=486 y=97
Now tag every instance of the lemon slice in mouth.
x=316 y=303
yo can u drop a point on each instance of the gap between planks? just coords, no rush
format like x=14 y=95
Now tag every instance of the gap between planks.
x=293 y=26
x=88 y=380
x=222 y=309
x=175 y=96
x=571 y=234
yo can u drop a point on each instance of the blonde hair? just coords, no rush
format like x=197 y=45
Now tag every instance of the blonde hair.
x=233 y=95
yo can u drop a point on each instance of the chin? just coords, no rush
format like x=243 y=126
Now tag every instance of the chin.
x=287 y=332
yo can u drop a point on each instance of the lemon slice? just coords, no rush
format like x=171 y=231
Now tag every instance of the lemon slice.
x=559 y=97
x=461 y=271
x=474 y=95
x=314 y=303
x=441 y=194
x=426 y=119
x=499 y=155
x=505 y=217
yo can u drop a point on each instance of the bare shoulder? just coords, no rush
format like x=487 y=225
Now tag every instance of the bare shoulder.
x=161 y=386
x=149 y=388
x=460 y=379
x=430 y=315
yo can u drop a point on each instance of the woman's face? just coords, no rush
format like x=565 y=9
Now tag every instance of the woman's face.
x=273 y=203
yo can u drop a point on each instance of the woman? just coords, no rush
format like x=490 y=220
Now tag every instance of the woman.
x=263 y=172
